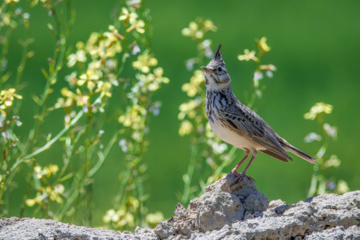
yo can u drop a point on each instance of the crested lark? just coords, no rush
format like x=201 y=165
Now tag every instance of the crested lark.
x=235 y=123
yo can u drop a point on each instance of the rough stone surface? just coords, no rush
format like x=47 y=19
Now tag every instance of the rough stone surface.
x=220 y=205
x=32 y=228
x=222 y=212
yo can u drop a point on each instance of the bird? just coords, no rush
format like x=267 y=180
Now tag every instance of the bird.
x=238 y=125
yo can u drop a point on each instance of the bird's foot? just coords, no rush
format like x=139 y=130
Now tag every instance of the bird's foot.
x=241 y=177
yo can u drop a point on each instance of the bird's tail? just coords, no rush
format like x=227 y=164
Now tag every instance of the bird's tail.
x=288 y=147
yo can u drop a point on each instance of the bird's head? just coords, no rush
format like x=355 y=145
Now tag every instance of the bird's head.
x=216 y=75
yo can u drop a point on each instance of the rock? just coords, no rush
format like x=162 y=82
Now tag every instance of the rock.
x=31 y=228
x=327 y=216
x=164 y=230
x=220 y=205
x=256 y=202
x=222 y=212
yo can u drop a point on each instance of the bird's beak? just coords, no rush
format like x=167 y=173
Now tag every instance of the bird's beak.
x=206 y=69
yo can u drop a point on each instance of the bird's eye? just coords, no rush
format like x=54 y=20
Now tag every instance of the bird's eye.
x=219 y=69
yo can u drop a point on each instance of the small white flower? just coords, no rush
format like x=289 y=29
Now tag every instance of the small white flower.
x=114 y=82
x=330 y=130
x=97 y=101
x=219 y=148
x=269 y=74
x=206 y=43
x=190 y=64
x=135 y=50
x=123 y=145
x=257 y=77
x=312 y=137
x=110 y=63
x=59 y=188
x=68 y=78
x=155 y=108
x=136 y=136
x=67 y=118
x=208 y=53
x=18 y=11
x=26 y=15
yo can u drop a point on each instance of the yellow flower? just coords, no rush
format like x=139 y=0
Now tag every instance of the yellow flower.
x=47 y=171
x=11 y=1
x=50 y=169
x=144 y=62
x=127 y=16
x=198 y=28
x=138 y=25
x=35 y=2
x=134 y=117
x=104 y=87
x=54 y=193
x=188 y=109
x=318 y=110
x=133 y=203
x=72 y=78
x=193 y=31
x=334 y=161
x=111 y=44
x=185 y=128
x=37 y=200
x=152 y=81
x=7 y=97
x=209 y=133
x=90 y=78
x=154 y=218
x=128 y=220
x=262 y=46
x=30 y=202
x=38 y=172
x=103 y=45
x=342 y=187
x=78 y=57
x=115 y=32
x=132 y=18
x=71 y=98
x=119 y=218
x=111 y=216
x=247 y=56
x=209 y=26
x=159 y=72
x=193 y=87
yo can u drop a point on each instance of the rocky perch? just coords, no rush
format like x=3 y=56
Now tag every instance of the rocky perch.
x=222 y=212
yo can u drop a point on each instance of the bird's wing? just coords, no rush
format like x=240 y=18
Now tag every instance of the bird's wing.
x=247 y=123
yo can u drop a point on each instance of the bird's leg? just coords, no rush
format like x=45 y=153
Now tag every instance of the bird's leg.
x=247 y=152
x=243 y=174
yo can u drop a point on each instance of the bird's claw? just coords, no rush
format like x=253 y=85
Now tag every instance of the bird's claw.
x=240 y=178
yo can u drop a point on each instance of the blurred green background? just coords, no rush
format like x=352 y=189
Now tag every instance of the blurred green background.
x=314 y=45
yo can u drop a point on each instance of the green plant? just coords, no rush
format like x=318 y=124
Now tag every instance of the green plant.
x=62 y=189
x=320 y=182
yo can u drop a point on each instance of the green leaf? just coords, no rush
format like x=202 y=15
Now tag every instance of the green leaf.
x=66 y=177
x=46 y=75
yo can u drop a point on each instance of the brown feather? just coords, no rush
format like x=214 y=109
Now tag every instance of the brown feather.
x=274 y=155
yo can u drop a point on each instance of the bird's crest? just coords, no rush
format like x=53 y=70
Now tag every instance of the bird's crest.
x=217 y=59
